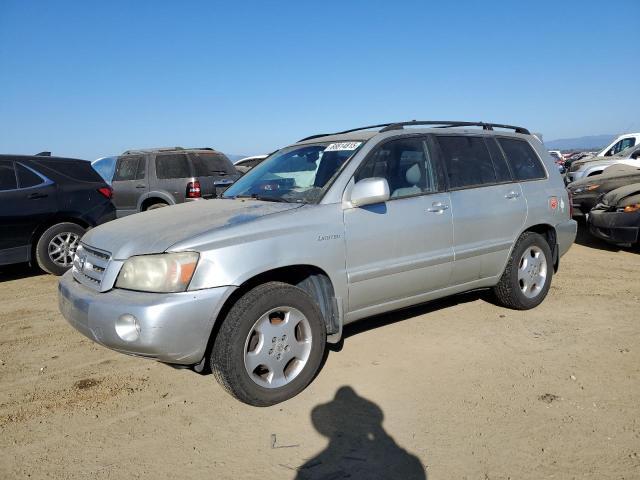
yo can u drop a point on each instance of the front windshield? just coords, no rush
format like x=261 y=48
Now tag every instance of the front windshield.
x=297 y=174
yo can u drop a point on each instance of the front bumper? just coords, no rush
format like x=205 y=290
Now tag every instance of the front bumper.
x=615 y=227
x=173 y=327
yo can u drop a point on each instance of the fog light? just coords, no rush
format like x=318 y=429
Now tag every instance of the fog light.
x=127 y=327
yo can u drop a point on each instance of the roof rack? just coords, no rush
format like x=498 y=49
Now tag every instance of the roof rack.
x=345 y=131
x=386 y=127
x=454 y=123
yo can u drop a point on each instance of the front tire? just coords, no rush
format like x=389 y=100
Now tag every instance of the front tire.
x=57 y=246
x=526 y=280
x=270 y=345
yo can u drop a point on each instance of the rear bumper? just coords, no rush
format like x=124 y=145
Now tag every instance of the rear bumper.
x=173 y=327
x=615 y=227
x=566 y=235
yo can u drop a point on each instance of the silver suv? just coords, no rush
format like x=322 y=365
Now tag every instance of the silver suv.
x=330 y=230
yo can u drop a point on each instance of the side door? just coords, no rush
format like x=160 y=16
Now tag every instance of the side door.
x=401 y=249
x=127 y=187
x=27 y=199
x=488 y=207
x=173 y=173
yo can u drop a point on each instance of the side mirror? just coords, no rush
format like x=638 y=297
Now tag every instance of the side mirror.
x=369 y=191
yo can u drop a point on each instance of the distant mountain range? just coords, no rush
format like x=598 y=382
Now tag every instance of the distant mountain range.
x=591 y=142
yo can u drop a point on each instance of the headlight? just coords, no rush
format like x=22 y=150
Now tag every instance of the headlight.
x=586 y=188
x=163 y=273
x=630 y=208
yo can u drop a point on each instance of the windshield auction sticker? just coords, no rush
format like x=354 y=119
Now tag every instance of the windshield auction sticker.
x=342 y=146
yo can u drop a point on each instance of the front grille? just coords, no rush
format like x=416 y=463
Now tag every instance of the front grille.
x=89 y=265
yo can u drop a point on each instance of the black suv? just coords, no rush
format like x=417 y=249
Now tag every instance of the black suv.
x=46 y=205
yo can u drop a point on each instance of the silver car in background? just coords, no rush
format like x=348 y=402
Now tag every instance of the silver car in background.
x=331 y=230
x=596 y=165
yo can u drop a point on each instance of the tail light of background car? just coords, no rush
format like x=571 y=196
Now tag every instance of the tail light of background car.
x=570 y=203
x=193 y=190
x=107 y=192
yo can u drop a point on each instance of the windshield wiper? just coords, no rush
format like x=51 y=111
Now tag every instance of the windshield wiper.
x=264 y=198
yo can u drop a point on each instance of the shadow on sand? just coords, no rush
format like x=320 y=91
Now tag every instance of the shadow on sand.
x=359 y=447
x=18 y=271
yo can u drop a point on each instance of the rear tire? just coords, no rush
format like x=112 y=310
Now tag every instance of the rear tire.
x=279 y=329
x=526 y=280
x=153 y=206
x=57 y=246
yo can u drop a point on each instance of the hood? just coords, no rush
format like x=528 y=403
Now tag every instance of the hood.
x=619 y=174
x=156 y=230
x=623 y=196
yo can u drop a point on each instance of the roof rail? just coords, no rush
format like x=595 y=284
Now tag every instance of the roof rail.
x=345 y=131
x=454 y=123
x=385 y=127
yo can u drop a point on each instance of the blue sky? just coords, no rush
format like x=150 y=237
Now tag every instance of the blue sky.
x=89 y=78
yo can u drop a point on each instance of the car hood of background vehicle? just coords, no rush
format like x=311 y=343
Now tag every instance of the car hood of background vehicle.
x=615 y=173
x=156 y=230
x=623 y=196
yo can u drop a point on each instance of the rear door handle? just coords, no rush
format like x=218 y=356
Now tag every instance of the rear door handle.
x=437 y=207
x=140 y=186
x=511 y=195
x=34 y=196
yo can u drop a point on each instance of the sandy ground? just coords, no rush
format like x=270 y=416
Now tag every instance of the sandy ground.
x=459 y=388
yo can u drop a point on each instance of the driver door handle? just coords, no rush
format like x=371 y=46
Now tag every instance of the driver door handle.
x=140 y=186
x=34 y=196
x=511 y=194
x=437 y=207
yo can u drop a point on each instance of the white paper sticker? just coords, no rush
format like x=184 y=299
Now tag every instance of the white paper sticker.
x=342 y=146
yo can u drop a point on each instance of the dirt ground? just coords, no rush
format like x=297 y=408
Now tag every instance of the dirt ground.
x=457 y=389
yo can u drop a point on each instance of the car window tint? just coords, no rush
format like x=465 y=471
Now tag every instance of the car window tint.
x=172 y=165
x=523 y=160
x=7 y=176
x=499 y=162
x=126 y=168
x=26 y=178
x=208 y=164
x=467 y=160
x=405 y=164
x=142 y=169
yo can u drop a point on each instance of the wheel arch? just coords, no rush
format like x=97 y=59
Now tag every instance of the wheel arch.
x=150 y=198
x=310 y=278
x=50 y=222
x=550 y=235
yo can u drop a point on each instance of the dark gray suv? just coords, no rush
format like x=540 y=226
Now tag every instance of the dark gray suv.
x=154 y=178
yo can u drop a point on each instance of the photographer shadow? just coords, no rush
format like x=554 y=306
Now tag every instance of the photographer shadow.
x=359 y=447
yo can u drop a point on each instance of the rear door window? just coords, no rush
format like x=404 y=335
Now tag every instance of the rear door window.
x=211 y=164
x=26 y=177
x=522 y=159
x=126 y=168
x=467 y=161
x=7 y=176
x=499 y=162
x=141 y=173
x=172 y=165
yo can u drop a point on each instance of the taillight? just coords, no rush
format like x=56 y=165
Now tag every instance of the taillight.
x=193 y=190
x=107 y=192
x=570 y=203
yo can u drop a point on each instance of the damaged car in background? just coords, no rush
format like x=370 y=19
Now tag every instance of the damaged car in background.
x=616 y=218
x=586 y=192
x=596 y=165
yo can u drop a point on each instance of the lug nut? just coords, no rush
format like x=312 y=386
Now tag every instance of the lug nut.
x=278 y=357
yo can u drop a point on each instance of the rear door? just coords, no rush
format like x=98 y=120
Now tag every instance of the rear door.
x=488 y=207
x=214 y=171
x=27 y=199
x=127 y=185
x=399 y=250
x=173 y=173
